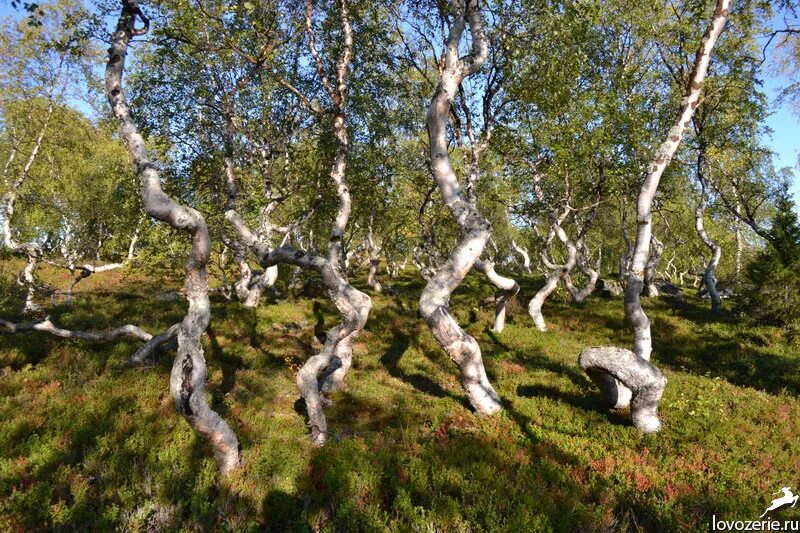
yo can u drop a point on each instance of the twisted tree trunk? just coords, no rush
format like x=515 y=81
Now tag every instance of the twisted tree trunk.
x=476 y=230
x=374 y=261
x=592 y=274
x=656 y=250
x=187 y=381
x=709 y=275
x=507 y=289
x=557 y=272
x=325 y=371
x=633 y=307
x=31 y=252
x=86 y=270
x=609 y=366
x=624 y=373
x=526 y=259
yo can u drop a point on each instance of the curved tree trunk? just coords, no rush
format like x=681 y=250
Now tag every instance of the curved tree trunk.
x=360 y=303
x=28 y=280
x=335 y=358
x=607 y=366
x=536 y=303
x=374 y=261
x=656 y=249
x=31 y=252
x=627 y=255
x=187 y=381
x=633 y=308
x=507 y=289
x=709 y=275
x=526 y=259
x=435 y=299
x=326 y=370
x=626 y=382
x=86 y=270
x=592 y=275
x=558 y=272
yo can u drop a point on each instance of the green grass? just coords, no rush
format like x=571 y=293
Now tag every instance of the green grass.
x=90 y=443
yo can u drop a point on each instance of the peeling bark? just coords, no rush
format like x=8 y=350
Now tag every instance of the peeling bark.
x=623 y=366
x=644 y=380
x=187 y=381
x=435 y=299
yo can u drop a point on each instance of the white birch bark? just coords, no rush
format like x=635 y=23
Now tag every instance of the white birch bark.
x=608 y=366
x=644 y=216
x=592 y=274
x=626 y=369
x=557 y=272
x=31 y=252
x=739 y=242
x=187 y=381
x=476 y=230
x=86 y=270
x=326 y=370
x=656 y=250
x=374 y=261
x=709 y=275
x=627 y=255
x=28 y=280
x=526 y=259
x=128 y=330
x=360 y=302
x=507 y=289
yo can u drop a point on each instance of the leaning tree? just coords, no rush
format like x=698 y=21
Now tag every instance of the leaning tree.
x=188 y=377
x=627 y=377
x=434 y=302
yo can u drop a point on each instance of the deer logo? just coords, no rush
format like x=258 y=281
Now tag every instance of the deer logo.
x=787 y=498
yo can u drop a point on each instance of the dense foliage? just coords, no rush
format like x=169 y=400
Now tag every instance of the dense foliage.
x=224 y=149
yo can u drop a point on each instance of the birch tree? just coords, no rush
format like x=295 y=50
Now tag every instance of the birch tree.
x=628 y=378
x=709 y=275
x=325 y=371
x=188 y=377
x=434 y=301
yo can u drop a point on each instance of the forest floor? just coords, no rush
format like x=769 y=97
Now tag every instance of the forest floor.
x=88 y=442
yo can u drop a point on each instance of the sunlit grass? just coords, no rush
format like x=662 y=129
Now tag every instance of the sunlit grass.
x=88 y=442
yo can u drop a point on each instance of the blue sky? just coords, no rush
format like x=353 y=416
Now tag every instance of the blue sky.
x=785 y=139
